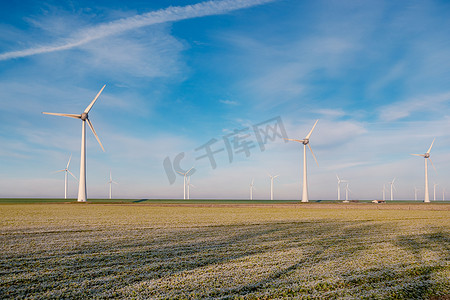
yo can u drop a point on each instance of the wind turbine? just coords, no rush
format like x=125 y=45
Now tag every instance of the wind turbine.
x=392 y=188
x=339 y=187
x=346 y=191
x=66 y=170
x=82 y=193
x=305 y=142
x=251 y=189
x=434 y=191
x=188 y=184
x=185 y=181
x=271 y=185
x=110 y=184
x=427 y=157
x=415 y=193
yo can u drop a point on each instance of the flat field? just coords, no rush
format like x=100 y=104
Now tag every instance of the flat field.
x=228 y=251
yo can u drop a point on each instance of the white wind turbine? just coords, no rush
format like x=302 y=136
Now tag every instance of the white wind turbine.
x=392 y=188
x=427 y=157
x=346 y=191
x=66 y=170
x=339 y=187
x=415 y=193
x=82 y=193
x=271 y=185
x=434 y=191
x=110 y=185
x=188 y=186
x=251 y=189
x=185 y=181
x=305 y=142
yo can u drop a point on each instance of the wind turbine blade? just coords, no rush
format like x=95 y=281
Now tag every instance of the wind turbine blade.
x=313 y=154
x=58 y=171
x=95 y=134
x=72 y=175
x=339 y=180
x=393 y=180
x=418 y=155
x=68 y=163
x=75 y=116
x=429 y=149
x=432 y=164
x=189 y=170
x=294 y=140
x=114 y=182
x=88 y=108
x=181 y=173
x=309 y=134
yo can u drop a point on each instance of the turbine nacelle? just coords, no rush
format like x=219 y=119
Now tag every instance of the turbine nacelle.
x=305 y=141
x=84 y=116
x=426 y=155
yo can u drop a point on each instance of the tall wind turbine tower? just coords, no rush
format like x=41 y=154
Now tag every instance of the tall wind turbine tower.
x=271 y=185
x=392 y=189
x=339 y=181
x=110 y=185
x=415 y=193
x=347 y=190
x=434 y=191
x=66 y=170
x=188 y=186
x=82 y=192
x=427 y=157
x=305 y=142
x=251 y=189
x=185 y=181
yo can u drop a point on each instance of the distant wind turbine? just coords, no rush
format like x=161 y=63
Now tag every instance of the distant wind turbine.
x=185 y=181
x=392 y=188
x=110 y=184
x=271 y=185
x=347 y=189
x=415 y=193
x=434 y=191
x=251 y=189
x=339 y=187
x=427 y=157
x=188 y=186
x=305 y=142
x=82 y=192
x=66 y=170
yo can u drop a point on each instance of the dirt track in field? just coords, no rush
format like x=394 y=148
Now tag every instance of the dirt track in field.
x=364 y=206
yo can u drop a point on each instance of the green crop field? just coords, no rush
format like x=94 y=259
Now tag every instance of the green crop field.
x=248 y=251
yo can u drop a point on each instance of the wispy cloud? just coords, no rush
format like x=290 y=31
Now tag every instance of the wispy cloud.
x=229 y=102
x=404 y=109
x=169 y=14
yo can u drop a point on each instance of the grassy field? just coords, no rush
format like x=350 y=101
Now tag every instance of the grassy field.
x=228 y=251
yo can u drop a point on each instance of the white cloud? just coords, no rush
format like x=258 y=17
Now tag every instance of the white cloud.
x=229 y=102
x=404 y=109
x=104 y=30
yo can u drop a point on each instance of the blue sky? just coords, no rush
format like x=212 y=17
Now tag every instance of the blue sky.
x=180 y=74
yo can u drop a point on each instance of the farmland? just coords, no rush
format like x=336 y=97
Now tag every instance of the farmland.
x=225 y=251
